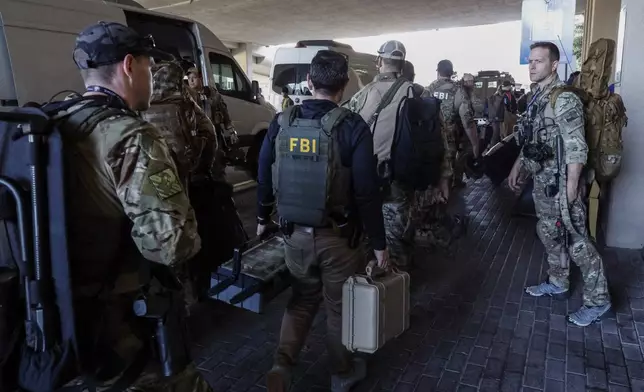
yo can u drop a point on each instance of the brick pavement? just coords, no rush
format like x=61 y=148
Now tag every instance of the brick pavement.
x=472 y=327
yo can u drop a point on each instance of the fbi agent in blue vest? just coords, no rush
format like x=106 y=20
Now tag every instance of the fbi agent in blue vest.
x=317 y=164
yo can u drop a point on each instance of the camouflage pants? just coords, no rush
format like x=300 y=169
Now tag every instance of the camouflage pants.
x=580 y=248
x=190 y=380
x=399 y=230
x=463 y=153
x=320 y=261
x=437 y=224
x=451 y=136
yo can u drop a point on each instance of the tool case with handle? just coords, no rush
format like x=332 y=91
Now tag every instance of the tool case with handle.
x=256 y=274
x=374 y=310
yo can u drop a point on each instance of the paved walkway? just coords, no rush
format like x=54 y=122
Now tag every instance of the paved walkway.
x=472 y=326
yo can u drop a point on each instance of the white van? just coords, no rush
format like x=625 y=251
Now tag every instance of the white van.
x=37 y=39
x=291 y=65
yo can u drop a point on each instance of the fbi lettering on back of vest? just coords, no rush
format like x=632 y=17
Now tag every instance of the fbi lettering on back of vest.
x=441 y=95
x=304 y=145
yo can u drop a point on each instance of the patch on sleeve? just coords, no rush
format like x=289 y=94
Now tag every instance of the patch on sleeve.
x=571 y=116
x=165 y=183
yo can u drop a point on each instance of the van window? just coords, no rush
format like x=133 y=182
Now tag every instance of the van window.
x=292 y=76
x=172 y=36
x=229 y=78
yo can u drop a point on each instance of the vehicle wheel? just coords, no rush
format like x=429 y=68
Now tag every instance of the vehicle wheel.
x=252 y=155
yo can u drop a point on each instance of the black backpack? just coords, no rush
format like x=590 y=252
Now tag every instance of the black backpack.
x=418 y=147
x=39 y=348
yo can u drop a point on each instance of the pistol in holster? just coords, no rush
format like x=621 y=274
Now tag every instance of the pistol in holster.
x=166 y=311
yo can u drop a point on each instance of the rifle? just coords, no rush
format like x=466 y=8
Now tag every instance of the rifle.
x=560 y=178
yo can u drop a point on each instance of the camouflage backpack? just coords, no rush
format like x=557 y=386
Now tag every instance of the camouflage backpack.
x=604 y=112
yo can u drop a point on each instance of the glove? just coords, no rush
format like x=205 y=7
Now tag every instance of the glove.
x=234 y=138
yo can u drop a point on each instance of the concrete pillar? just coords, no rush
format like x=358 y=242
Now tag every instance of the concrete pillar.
x=244 y=56
x=625 y=216
x=601 y=20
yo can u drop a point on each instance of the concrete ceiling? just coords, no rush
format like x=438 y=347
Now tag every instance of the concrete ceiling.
x=271 y=22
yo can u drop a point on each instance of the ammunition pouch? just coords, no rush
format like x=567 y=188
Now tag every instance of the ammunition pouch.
x=551 y=190
x=538 y=152
x=524 y=133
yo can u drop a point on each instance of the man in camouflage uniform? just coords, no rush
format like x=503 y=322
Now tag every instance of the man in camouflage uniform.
x=555 y=157
x=458 y=115
x=191 y=136
x=426 y=213
x=214 y=105
x=396 y=206
x=130 y=210
x=188 y=131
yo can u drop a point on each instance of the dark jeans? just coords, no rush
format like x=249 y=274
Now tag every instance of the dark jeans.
x=320 y=261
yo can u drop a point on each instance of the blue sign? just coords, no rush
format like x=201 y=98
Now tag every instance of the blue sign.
x=548 y=20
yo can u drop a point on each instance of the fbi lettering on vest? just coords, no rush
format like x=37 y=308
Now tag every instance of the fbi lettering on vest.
x=441 y=95
x=303 y=145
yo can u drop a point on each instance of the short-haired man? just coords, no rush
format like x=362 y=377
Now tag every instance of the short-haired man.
x=389 y=83
x=409 y=73
x=213 y=104
x=286 y=100
x=559 y=186
x=457 y=113
x=130 y=209
x=326 y=189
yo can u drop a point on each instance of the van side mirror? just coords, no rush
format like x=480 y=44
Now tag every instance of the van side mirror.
x=255 y=88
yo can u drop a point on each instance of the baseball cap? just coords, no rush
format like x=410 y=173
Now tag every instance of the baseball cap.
x=394 y=50
x=445 y=67
x=193 y=70
x=108 y=43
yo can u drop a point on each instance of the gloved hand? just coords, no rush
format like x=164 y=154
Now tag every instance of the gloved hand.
x=234 y=138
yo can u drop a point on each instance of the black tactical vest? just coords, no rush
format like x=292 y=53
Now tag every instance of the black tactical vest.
x=310 y=183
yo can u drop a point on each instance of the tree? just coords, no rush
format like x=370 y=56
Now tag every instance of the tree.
x=577 y=42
